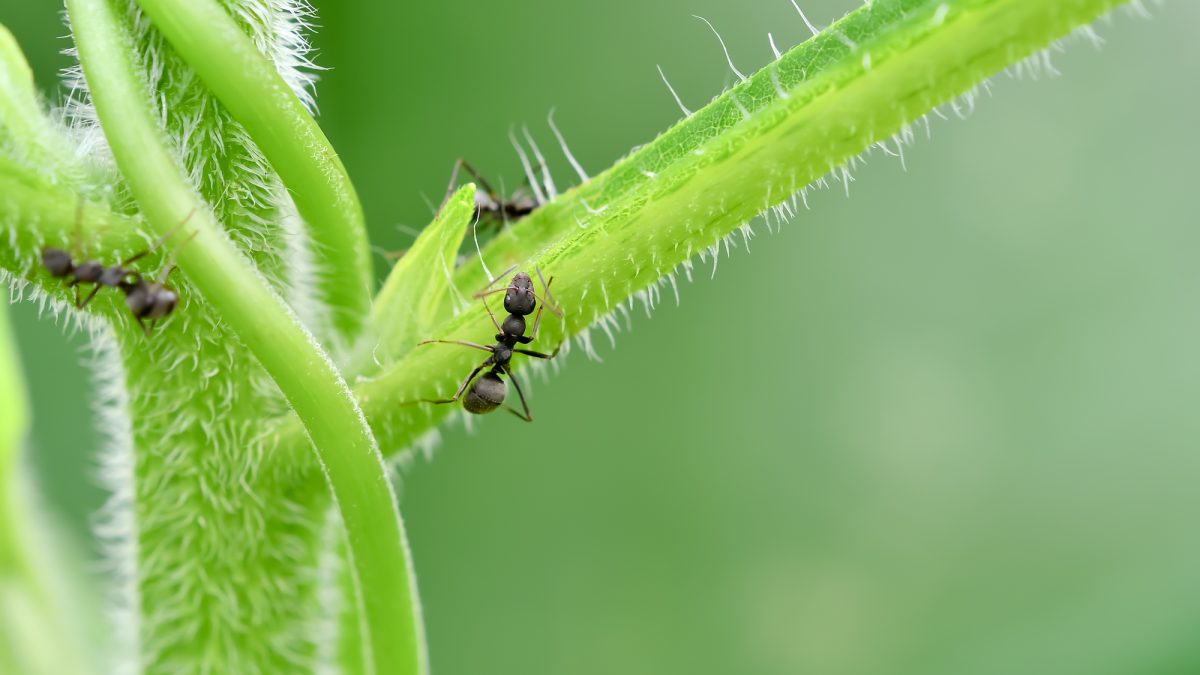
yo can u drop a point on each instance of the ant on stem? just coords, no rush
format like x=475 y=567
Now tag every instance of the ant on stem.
x=145 y=299
x=485 y=394
x=490 y=208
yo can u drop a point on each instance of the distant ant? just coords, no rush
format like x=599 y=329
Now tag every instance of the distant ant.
x=485 y=394
x=151 y=300
x=490 y=208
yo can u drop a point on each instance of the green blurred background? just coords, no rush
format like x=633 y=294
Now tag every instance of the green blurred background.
x=960 y=435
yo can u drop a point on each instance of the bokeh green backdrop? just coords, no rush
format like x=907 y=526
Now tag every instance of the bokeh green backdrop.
x=947 y=425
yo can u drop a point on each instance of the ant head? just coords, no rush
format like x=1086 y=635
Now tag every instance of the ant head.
x=485 y=395
x=56 y=261
x=519 y=297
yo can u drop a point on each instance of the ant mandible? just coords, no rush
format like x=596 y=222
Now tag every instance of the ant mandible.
x=487 y=393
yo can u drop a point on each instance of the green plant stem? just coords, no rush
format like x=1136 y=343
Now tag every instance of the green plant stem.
x=14 y=421
x=21 y=118
x=306 y=377
x=826 y=100
x=250 y=87
x=50 y=209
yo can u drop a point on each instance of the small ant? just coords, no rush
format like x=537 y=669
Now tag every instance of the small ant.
x=151 y=300
x=491 y=210
x=490 y=207
x=487 y=393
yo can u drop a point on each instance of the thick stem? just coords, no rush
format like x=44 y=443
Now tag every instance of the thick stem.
x=304 y=374
x=249 y=86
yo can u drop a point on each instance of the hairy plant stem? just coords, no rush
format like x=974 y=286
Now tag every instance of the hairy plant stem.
x=251 y=88
x=304 y=374
x=830 y=98
x=608 y=241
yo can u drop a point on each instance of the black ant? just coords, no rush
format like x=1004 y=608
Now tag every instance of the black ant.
x=487 y=393
x=490 y=208
x=151 y=300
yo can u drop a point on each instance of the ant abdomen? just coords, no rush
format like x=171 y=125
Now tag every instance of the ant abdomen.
x=150 y=301
x=486 y=394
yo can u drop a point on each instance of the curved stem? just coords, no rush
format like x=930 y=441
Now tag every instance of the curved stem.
x=250 y=87
x=307 y=378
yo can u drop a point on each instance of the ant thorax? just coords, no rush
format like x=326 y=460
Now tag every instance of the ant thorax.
x=514 y=324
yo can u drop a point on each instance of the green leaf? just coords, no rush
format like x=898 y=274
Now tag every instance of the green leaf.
x=415 y=295
x=23 y=125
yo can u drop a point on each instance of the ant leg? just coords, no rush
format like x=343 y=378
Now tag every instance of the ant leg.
x=477 y=176
x=537 y=355
x=81 y=305
x=464 y=343
x=461 y=388
x=528 y=416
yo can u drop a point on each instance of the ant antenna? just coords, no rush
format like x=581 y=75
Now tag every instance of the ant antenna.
x=500 y=276
x=171 y=261
x=162 y=239
x=553 y=309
